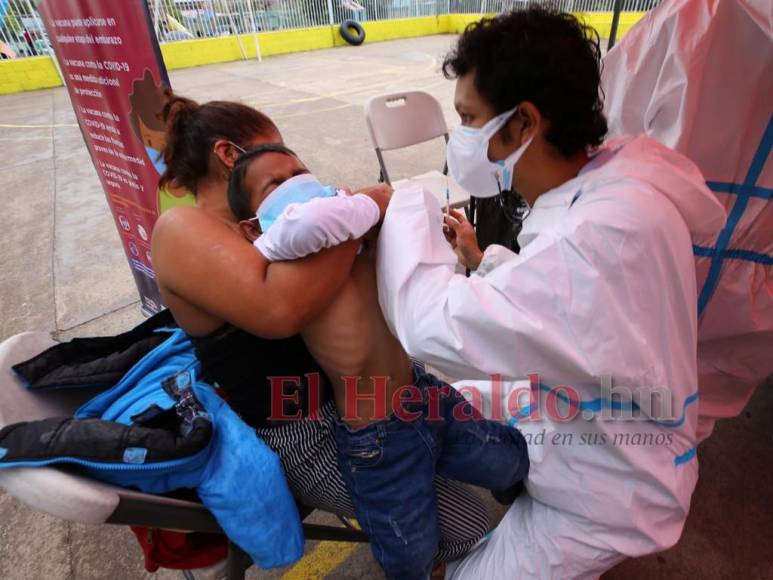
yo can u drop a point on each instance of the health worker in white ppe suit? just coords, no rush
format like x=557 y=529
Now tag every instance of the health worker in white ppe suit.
x=599 y=306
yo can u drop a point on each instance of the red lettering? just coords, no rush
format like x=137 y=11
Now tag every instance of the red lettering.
x=571 y=398
x=314 y=381
x=532 y=411
x=352 y=396
x=468 y=411
x=278 y=397
x=414 y=396
x=496 y=398
x=434 y=394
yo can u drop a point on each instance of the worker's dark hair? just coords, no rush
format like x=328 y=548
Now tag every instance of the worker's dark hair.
x=191 y=132
x=540 y=55
x=238 y=196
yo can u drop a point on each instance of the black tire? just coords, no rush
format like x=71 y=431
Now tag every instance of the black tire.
x=349 y=26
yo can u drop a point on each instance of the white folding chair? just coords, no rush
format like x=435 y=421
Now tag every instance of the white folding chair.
x=79 y=499
x=405 y=119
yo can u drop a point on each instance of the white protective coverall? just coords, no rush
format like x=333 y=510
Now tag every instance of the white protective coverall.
x=604 y=285
x=698 y=76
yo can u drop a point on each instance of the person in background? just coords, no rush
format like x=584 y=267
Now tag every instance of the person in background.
x=30 y=43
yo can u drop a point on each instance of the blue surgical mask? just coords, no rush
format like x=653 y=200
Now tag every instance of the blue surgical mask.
x=158 y=160
x=298 y=189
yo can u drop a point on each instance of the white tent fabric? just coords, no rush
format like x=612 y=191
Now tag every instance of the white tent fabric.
x=698 y=76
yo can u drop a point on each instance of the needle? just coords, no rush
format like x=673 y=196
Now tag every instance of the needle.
x=448 y=198
x=448 y=206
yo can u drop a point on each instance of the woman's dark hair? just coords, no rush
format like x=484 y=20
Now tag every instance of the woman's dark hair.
x=191 y=132
x=540 y=55
x=238 y=196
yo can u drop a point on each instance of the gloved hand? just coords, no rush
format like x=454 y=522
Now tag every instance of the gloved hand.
x=461 y=235
x=381 y=194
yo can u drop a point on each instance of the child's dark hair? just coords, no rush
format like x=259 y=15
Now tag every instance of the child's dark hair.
x=540 y=55
x=238 y=196
x=192 y=129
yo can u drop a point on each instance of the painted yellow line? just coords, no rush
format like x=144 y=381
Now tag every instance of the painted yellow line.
x=334 y=95
x=416 y=76
x=55 y=125
x=323 y=96
x=365 y=60
x=321 y=561
x=304 y=113
x=267 y=99
x=432 y=63
x=393 y=67
x=338 y=61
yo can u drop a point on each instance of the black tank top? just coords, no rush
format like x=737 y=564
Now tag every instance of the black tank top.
x=242 y=365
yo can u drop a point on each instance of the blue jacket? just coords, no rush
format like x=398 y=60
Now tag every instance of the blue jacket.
x=238 y=478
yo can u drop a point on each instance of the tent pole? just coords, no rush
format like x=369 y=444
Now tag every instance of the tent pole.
x=615 y=23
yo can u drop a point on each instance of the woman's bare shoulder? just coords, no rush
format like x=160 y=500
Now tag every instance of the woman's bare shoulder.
x=195 y=232
x=182 y=217
x=187 y=223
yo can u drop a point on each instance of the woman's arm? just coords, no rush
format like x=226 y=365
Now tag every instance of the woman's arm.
x=207 y=264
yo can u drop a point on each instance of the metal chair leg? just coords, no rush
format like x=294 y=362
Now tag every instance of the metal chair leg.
x=384 y=175
x=237 y=564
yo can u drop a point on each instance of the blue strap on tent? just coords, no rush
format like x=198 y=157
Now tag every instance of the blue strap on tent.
x=747 y=255
x=744 y=192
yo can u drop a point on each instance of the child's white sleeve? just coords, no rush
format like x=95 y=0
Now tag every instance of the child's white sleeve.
x=307 y=228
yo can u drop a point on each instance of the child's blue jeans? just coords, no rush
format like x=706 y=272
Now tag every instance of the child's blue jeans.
x=389 y=466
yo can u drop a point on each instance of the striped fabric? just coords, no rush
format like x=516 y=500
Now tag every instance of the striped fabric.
x=307 y=449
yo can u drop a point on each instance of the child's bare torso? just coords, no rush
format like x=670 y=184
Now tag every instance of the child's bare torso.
x=350 y=338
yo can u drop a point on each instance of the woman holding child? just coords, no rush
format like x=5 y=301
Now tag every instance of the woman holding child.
x=244 y=314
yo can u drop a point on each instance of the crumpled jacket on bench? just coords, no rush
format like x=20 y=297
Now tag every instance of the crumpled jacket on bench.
x=160 y=429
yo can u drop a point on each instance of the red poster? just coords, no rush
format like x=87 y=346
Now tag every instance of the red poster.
x=115 y=76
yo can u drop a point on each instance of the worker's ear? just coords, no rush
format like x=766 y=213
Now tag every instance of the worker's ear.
x=250 y=230
x=526 y=122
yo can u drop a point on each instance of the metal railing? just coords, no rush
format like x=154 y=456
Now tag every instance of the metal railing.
x=22 y=33
x=497 y=6
x=177 y=19
x=21 y=30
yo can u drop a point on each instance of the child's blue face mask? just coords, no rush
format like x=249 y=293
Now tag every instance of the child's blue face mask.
x=298 y=189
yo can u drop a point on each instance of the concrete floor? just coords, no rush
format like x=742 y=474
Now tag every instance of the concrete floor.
x=64 y=272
